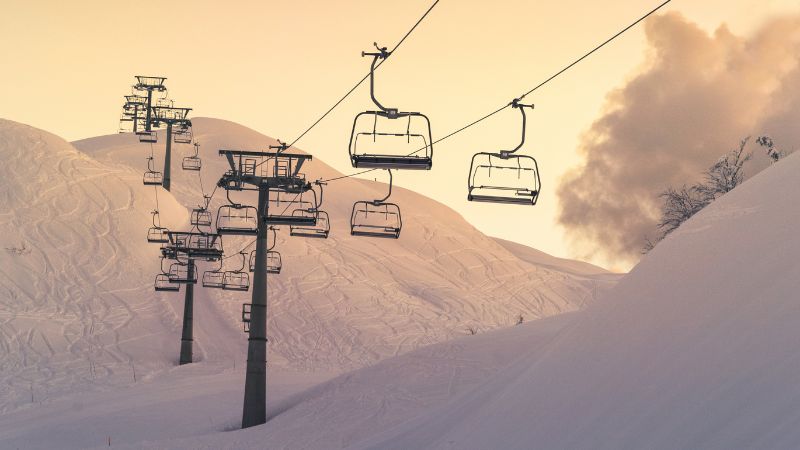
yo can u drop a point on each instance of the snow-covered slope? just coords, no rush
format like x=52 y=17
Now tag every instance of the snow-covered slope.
x=76 y=302
x=696 y=348
x=78 y=311
x=349 y=301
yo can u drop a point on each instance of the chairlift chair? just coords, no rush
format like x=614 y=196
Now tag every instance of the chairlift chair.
x=214 y=278
x=148 y=136
x=270 y=245
x=274 y=263
x=389 y=138
x=182 y=134
x=157 y=234
x=505 y=177
x=281 y=206
x=201 y=217
x=376 y=218
x=193 y=162
x=152 y=177
x=237 y=219
x=180 y=273
x=237 y=280
x=320 y=230
x=164 y=284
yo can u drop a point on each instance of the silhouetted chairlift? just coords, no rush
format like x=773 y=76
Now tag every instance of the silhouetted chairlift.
x=163 y=283
x=237 y=219
x=147 y=136
x=380 y=140
x=376 y=218
x=214 y=279
x=270 y=246
x=281 y=206
x=182 y=134
x=237 y=280
x=157 y=234
x=505 y=177
x=274 y=263
x=193 y=162
x=322 y=227
x=179 y=273
x=201 y=216
x=152 y=177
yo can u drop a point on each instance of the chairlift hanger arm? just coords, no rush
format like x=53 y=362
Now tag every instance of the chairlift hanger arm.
x=377 y=202
x=382 y=53
x=517 y=105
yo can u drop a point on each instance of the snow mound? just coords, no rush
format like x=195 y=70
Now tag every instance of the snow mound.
x=76 y=303
x=695 y=348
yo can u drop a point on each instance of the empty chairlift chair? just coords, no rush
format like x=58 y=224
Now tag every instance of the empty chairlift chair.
x=272 y=267
x=201 y=217
x=237 y=280
x=148 y=136
x=505 y=177
x=157 y=234
x=152 y=177
x=376 y=218
x=281 y=207
x=182 y=134
x=236 y=219
x=320 y=230
x=163 y=283
x=214 y=279
x=322 y=227
x=179 y=273
x=389 y=138
x=193 y=162
x=274 y=262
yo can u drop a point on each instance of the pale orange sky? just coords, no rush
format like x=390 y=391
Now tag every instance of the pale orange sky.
x=276 y=66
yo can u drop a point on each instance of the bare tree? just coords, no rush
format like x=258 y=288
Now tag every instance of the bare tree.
x=681 y=204
x=725 y=174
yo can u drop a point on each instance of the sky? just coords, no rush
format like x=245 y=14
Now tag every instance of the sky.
x=276 y=66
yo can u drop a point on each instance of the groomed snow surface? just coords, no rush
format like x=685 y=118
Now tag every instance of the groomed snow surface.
x=695 y=348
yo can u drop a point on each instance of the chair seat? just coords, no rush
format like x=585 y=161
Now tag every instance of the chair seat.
x=528 y=199
x=391 y=162
x=232 y=231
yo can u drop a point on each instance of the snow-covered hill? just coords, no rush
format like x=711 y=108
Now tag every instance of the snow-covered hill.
x=78 y=311
x=696 y=348
x=76 y=301
x=349 y=301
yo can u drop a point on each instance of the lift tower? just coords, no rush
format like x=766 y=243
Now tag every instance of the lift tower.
x=185 y=247
x=266 y=172
x=133 y=110
x=169 y=115
x=149 y=84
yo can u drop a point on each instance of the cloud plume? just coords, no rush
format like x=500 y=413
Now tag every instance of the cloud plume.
x=697 y=95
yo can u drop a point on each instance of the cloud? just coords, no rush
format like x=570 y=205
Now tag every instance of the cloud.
x=697 y=95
